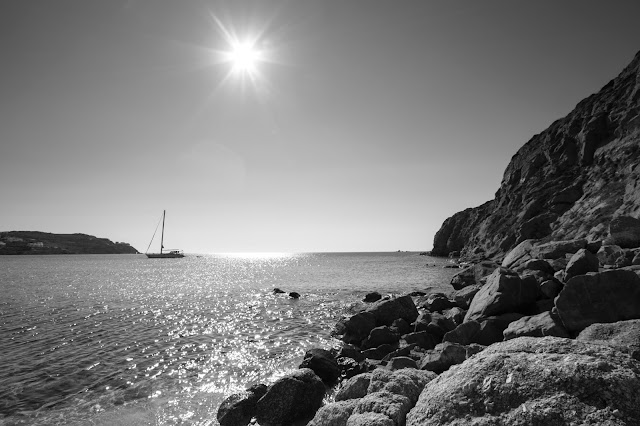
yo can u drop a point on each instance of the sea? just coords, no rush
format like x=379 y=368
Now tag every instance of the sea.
x=127 y=340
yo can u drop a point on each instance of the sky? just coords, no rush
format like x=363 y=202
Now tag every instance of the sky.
x=362 y=125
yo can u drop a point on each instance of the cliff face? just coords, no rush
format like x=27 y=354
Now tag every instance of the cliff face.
x=33 y=242
x=567 y=182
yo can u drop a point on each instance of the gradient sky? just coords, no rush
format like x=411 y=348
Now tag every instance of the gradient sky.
x=368 y=123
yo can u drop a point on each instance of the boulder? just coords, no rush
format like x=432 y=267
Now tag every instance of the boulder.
x=520 y=254
x=473 y=274
x=400 y=362
x=355 y=387
x=438 y=302
x=608 y=296
x=238 y=409
x=357 y=327
x=349 y=367
x=624 y=231
x=536 y=265
x=492 y=328
x=544 y=324
x=422 y=339
x=623 y=336
x=380 y=352
x=423 y=320
x=401 y=327
x=350 y=351
x=534 y=381
x=504 y=292
x=387 y=311
x=389 y=404
x=372 y=297
x=550 y=288
x=609 y=254
x=443 y=356
x=380 y=336
x=383 y=380
x=558 y=249
x=334 y=414
x=323 y=364
x=455 y=314
x=464 y=297
x=296 y=396
x=369 y=419
x=581 y=262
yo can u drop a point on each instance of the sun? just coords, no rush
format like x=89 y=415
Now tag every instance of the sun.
x=244 y=57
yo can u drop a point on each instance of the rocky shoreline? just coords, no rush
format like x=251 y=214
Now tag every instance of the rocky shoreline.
x=543 y=325
x=549 y=336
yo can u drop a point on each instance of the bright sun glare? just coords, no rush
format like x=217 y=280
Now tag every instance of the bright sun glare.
x=244 y=57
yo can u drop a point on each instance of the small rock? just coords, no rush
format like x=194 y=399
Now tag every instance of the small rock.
x=372 y=297
x=294 y=295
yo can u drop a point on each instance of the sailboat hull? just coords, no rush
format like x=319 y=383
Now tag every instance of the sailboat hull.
x=164 y=255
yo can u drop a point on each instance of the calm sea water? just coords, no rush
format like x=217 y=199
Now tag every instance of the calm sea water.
x=126 y=340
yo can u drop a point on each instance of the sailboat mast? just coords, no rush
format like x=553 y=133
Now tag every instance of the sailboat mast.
x=164 y=212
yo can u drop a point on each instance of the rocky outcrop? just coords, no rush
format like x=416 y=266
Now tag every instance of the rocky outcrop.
x=576 y=179
x=542 y=381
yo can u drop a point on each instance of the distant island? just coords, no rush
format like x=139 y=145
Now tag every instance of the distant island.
x=34 y=242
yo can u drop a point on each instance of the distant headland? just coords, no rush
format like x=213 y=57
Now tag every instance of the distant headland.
x=34 y=242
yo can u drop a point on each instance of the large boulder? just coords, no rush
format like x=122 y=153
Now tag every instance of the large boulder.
x=504 y=292
x=323 y=363
x=238 y=409
x=607 y=296
x=534 y=381
x=473 y=274
x=544 y=324
x=581 y=262
x=622 y=335
x=296 y=396
x=387 y=311
x=520 y=254
x=357 y=327
x=624 y=231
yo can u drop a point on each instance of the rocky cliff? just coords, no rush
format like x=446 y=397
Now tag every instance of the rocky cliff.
x=570 y=181
x=33 y=242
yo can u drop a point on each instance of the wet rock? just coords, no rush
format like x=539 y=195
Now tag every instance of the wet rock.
x=545 y=381
x=323 y=364
x=581 y=262
x=277 y=291
x=349 y=367
x=443 y=356
x=387 y=311
x=294 y=295
x=464 y=297
x=350 y=351
x=238 y=409
x=380 y=336
x=358 y=327
x=504 y=292
x=544 y=324
x=296 y=396
x=623 y=336
x=372 y=297
x=334 y=414
x=608 y=296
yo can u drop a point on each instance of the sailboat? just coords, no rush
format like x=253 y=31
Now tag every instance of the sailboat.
x=170 y=253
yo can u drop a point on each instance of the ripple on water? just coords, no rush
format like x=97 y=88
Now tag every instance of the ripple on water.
x=92 y=339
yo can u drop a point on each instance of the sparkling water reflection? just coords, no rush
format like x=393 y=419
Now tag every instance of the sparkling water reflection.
x=131 y=340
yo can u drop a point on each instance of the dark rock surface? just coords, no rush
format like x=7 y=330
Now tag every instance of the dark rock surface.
x=238 y=409
x=296 y=396
x=608 y=296
x=323 y=364
x=534 y=381
x=569 y=181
